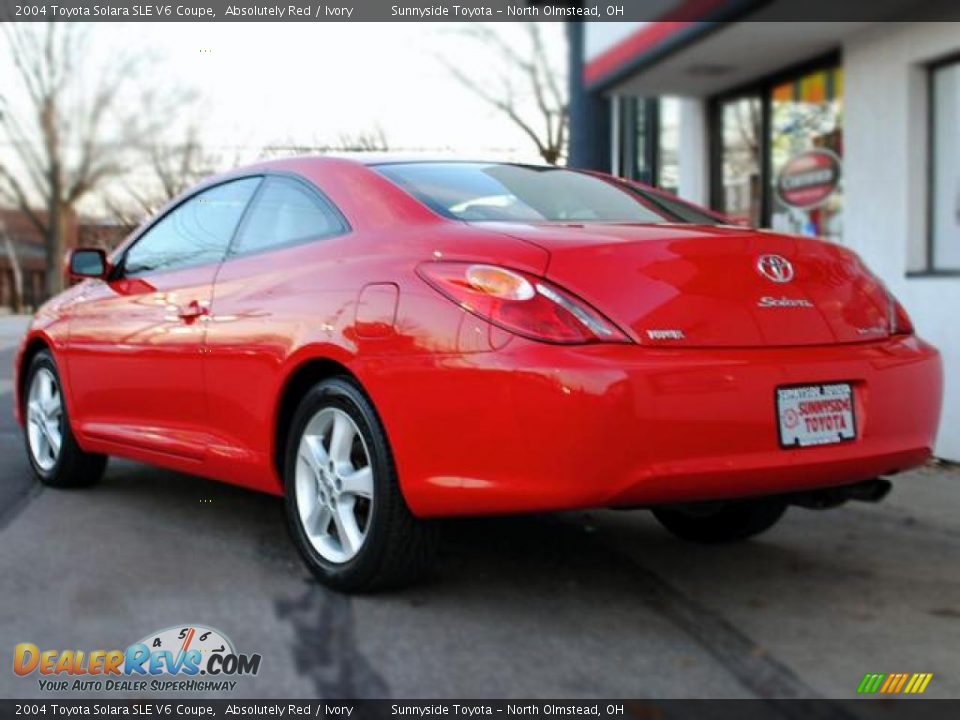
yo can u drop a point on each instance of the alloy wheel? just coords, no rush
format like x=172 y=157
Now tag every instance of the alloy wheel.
x=45 y=419
x=334 y=485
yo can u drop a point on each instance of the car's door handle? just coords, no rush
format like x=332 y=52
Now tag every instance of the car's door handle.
x=192 y=311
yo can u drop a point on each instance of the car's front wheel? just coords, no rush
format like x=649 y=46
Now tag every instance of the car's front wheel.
x=56 y=458
x=722 y=521
x=345 y=511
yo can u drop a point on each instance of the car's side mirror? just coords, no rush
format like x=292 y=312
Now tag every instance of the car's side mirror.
x=88 y=263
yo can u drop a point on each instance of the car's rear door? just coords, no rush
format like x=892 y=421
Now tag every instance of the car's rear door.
x=135 y=358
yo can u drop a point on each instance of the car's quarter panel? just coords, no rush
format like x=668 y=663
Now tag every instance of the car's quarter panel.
x=536 y=427
x=267 y=307
x=134 y=362
x=273 y=312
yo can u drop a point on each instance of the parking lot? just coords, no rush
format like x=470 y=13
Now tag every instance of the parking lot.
x=593 y=604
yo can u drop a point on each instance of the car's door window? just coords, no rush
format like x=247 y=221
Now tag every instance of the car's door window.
x=286 y=212
x=196 y=232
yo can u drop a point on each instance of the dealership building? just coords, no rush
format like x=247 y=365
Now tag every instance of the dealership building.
x=844 y=130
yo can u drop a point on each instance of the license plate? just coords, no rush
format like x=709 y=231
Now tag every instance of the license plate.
x=816 y=414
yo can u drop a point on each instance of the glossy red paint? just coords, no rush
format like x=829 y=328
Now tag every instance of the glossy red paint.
x=187 y=369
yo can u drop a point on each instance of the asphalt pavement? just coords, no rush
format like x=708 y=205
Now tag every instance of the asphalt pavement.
x=580 y=605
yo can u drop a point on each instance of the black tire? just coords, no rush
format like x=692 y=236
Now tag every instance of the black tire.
x=398 y=547
x=73 y=468
x=721 y=522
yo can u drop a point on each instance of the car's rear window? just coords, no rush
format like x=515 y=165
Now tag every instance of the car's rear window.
x=524 y=193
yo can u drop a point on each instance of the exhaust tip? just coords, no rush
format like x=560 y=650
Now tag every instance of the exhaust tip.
x=870 y=491
x=873 y=490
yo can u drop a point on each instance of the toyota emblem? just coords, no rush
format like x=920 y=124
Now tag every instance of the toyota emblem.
x=775 y=268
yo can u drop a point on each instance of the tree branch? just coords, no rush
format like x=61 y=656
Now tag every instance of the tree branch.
x=13 y=191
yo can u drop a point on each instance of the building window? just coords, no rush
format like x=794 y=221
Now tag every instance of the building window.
x=646 y=119
x=944 y=252
x=647 y=139
x=777 y=152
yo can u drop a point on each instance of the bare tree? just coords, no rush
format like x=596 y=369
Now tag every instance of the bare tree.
x=369 y=140
x=165 y=171
x=73 y=133
x=15 y=269
x=374 y=140
x=529 y=67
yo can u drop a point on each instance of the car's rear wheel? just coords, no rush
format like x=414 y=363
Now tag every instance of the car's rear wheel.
x=345 y=510
x=722 y=521
x=56 y=458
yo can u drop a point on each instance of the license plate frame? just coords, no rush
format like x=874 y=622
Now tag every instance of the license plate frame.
x=812 y=415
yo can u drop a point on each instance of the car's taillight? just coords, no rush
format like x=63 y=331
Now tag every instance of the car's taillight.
x=520 y=303
x=899 y=321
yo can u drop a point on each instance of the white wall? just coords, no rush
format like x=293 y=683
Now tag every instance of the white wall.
x=885 y=156
x=694 y=153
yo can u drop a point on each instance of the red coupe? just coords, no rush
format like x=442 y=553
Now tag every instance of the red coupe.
x=388 y=343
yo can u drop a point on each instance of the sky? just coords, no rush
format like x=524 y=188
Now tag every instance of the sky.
x=262 y=84
x=269 y=81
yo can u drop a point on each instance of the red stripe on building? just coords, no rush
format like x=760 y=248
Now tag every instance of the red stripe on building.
x=647 y=37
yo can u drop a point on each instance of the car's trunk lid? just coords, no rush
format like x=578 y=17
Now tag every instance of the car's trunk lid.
x=710 y=286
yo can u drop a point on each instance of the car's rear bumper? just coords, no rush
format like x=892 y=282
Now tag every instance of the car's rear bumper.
x=535 y=427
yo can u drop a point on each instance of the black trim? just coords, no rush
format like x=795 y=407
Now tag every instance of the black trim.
x=627 y=142
x=933 y=274
x=651 y=141
x=930 y=268
x=642 y=166
x=589 y=141
x=766 y=154
x=664 y=203
x=715 y=155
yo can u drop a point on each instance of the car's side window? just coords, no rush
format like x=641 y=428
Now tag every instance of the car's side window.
x=196 y=232
x=286 y=212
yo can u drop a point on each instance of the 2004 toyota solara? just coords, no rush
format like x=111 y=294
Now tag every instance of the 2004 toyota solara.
x=386 y=343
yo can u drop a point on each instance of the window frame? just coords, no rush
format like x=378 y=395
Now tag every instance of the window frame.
x=119 y=267
x=315 y=192
x=632 y=111
x=929 y=267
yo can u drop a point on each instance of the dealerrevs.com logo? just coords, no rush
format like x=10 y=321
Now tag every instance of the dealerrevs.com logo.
x=182 y=658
